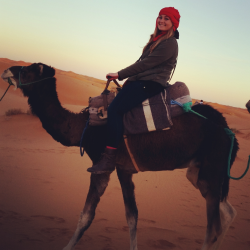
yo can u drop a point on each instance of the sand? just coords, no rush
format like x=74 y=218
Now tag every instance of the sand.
x=43 y=186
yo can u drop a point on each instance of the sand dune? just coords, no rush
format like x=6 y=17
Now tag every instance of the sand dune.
x=43 y=186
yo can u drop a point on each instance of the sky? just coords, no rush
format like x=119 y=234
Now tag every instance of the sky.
x=97 y=37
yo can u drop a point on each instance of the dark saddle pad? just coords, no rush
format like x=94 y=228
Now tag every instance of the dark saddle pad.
x=152 y=114
x=156 y=112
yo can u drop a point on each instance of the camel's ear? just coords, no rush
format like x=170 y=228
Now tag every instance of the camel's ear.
x=41 y=69
x=46 y=71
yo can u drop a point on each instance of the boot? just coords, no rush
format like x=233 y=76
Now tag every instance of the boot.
x=106 y=164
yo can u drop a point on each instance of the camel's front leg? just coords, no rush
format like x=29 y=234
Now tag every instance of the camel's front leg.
x=98 y=184
x=130 y=205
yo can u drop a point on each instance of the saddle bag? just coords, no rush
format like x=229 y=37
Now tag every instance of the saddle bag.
x=98 y=105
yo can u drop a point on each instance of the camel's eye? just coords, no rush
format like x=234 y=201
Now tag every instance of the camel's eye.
x=23 y=74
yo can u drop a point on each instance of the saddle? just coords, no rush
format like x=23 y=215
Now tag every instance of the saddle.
x=153 y=114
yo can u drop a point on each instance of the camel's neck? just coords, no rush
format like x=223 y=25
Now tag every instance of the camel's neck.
x=64 y=126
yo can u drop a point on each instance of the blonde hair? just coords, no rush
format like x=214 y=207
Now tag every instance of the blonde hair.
x=169 y=34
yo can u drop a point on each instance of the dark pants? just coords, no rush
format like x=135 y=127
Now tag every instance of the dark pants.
x=130 y=96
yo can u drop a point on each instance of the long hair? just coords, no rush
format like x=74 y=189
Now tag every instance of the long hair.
x=169 y=34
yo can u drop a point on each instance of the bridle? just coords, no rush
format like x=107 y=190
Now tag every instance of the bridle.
x=20 y=83
x=24 y=84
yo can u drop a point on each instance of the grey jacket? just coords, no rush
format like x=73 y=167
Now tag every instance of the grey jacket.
x=156 y=66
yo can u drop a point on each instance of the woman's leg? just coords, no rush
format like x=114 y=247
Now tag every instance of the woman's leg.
x=129 y=97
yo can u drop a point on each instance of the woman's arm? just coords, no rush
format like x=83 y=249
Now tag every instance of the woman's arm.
x=165 y=50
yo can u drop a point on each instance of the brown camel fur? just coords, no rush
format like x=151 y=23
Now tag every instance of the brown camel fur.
x=199 y=144
x=248 y=106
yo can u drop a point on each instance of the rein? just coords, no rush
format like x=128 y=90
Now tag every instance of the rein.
x=10 y=83
x=81 y=147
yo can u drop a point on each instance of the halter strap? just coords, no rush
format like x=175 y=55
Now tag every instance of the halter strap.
x=24 y=84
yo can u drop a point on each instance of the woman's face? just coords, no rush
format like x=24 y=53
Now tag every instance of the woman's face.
x=164 y=23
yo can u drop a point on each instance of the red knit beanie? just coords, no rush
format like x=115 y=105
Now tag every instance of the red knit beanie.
x=173 y=14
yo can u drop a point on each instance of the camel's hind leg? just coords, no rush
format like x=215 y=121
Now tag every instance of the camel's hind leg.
x=130 y=205
x=227 y=215
x=219 y=217
x=97 y=187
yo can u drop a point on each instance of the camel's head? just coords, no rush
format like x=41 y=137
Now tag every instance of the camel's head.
x=248 y=106
x=25 y=77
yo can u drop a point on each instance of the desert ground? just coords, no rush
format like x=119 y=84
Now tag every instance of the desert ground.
x=43 y=186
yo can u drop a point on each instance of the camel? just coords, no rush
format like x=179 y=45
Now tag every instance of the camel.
x=198 y=144
x=248 y=106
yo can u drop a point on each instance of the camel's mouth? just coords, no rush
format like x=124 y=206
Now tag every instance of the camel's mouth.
x=7 y=76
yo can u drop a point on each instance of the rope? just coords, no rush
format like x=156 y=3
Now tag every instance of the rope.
x=24 y=84
x=5 y=93
x=232 y=135
x=187 y=108
x=82 y=148
x=10 y=83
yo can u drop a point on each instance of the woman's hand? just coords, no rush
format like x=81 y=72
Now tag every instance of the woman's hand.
x=112 y=76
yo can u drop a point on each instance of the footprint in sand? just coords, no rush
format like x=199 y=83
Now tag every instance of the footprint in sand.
x=161 y=244
x=109 y=248
x=244 y=195
x=112 y=229
x=99 y=220
x=105 y=238
x=183 y=239
x=55 y=233
x=50 y=218
x=2 y=213
x=232 y=237
x=115 y=229
x=199 y=241
x=248 y=220
x=125 y=229
x=159 y=230
x=194 y=226
x=27 y=238
x=148 y=221
x=13 y=216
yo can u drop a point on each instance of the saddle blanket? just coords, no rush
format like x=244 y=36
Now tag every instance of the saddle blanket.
x=156 y=112
x=153 y=114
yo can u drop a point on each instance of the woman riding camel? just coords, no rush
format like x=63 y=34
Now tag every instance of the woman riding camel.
x=146 y=77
